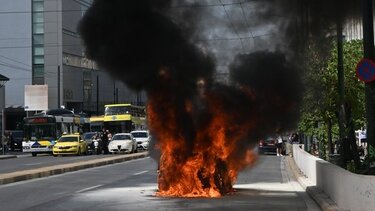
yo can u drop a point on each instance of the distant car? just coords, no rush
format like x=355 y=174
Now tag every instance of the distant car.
x=267 y=146
x=142 y=137
x=122 y=142
x=70 y=144
x=16 y=141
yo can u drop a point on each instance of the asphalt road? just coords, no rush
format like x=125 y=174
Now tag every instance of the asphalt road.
x=27 y=162
x=131 y=186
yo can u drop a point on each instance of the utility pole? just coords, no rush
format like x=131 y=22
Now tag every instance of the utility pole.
x=114 y=91
x=116 y=95
x=58 y=87
x=97 y=94
x=341 y=88
x=368 y=46
x=340 y=77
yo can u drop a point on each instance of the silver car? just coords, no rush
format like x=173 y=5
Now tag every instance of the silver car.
x=142 y=138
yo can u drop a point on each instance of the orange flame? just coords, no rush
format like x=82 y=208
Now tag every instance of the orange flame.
x=209 y=165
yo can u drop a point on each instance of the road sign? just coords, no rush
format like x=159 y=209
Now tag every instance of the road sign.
x=366 y=70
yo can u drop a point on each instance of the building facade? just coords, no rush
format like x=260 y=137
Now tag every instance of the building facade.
x=39 y=44
x=59 y=61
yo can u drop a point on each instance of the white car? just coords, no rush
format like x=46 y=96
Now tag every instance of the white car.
x=142 y=138
x=122 y=142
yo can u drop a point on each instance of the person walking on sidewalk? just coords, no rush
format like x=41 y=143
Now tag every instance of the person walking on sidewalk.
x=5 y=142
x=279 y=146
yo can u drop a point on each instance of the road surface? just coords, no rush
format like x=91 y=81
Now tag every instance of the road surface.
x=131 y=185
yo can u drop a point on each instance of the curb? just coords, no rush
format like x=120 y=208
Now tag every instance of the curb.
x=322 y=199
x=3 y=157
x=64 y=168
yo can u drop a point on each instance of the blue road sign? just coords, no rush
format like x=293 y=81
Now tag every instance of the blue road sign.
x=366 y=70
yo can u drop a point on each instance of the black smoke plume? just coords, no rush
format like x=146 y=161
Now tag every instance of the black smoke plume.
x=139 y=43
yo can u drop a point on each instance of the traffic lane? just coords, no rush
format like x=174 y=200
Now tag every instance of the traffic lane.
x=45 y=160
x=132 y=186
x=267 y=186
x=273 y=177
x=49 y=192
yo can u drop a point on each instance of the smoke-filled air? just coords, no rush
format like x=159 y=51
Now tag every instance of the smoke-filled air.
x=219 y=75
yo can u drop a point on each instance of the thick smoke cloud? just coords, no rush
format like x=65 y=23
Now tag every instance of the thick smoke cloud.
x=276 y=86
x=141 y=46
x=153 y=47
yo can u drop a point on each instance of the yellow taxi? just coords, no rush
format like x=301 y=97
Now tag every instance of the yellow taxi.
x=70 y=144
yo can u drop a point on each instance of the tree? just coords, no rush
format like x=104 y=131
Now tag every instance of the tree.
x=319 y=116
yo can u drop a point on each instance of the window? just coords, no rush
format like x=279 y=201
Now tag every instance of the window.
x=38 y=51
x=38 y=28
x=38 y=39
x=38 y=17
x=38 y=71
x=38 y=6
x=38 y=60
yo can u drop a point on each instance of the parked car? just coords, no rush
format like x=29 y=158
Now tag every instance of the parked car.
x=122 y=142
x=142 y=137
x=71 y=144
x=94 y=143
x=267 y=146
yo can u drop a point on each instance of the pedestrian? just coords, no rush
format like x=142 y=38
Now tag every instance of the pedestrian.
x=105 y=141
x=5 y=142
x=109 y=135
x=11 y=142
x=279 y=146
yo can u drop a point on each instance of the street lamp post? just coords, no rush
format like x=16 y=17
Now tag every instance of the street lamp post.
x=3 y=80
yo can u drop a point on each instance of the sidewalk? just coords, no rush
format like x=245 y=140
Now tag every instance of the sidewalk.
x=322 y=199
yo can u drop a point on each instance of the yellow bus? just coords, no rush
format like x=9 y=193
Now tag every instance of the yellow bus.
x=96 y=123
x=122 y=118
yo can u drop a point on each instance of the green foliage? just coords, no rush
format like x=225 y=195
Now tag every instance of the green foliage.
x=320 y=102
x=351 y=167
x=354 y=89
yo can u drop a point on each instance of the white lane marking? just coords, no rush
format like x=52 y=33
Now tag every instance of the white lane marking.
x=32 y=164
x=89 y=188
x=142 y=172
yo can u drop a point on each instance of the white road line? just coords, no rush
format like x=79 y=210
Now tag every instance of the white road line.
x=142 y=172
x=32 y=164
x=89 y=188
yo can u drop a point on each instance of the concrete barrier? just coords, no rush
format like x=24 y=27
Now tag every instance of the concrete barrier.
x=306 y=162
x=349 y=191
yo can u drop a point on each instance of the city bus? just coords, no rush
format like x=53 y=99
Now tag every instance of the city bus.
x=96 y=123
x=124 y=118
x=43 y=129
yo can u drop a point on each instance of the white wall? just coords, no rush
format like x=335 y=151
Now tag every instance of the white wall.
x=350 y=191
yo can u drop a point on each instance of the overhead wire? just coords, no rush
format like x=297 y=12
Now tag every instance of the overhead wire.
x=246 y=22
x=235 y=30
